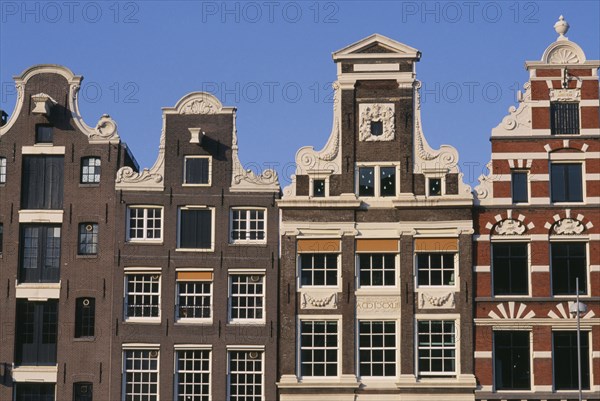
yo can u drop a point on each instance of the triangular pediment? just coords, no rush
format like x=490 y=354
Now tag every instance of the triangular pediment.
x=376 y=45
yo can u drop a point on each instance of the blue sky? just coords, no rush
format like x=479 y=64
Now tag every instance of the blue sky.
x=272 y=60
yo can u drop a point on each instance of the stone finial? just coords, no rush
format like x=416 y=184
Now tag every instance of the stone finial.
x=561 y=27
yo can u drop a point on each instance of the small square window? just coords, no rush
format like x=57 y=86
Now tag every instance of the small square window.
x=90 y=170
x=318 y=269
x=435 y=186
x=82 y=391
x=142 y=295
x=197 y=170
x=319 y=188
x=195 y=229
x=520 y=193
x=144 y=224
x=194 y=299
x=566 y=182
x=43 y=134
x=88 y=239
x=564 y=118
x=376 y=128
x=248 y=226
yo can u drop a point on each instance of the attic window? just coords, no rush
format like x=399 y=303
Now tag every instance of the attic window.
x=376 y=128
x=43 y=134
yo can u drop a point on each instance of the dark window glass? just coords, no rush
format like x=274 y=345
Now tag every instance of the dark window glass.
x=39 y=254
x=245 y=376
x=564 y=353
x=42 y=184
x=511 y=360
x=510 y=271
x=376 y=128
x=90 y=170
x=319 y=348
x=377 y=269
x=564 y=118
x=435 y=269
x=195 y=229
x=43 y=134
x=319 y=188
x=36 y=333
x=388 y=181
x=2 y=170
x=377 y=348
x=566 y=183
x=194 y=299
x=196 y=170
x=318 y=268
x=82 y=391
x=519 y=187
x=435 y=186
x=85 y=317
x=88 y=239
x=366 y=181
x=568 y=263
x=34 y=391
x=437 y=348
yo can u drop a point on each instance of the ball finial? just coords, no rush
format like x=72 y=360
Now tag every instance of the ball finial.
x=561 y=27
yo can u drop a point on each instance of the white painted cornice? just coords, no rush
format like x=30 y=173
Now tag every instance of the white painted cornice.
x=396 y=49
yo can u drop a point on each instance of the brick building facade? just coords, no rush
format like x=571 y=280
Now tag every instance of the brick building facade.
x=376 y=247
x=57 y=179
x=537 y=230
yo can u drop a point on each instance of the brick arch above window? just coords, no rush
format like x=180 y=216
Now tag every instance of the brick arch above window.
x=563 y=223
x=507 y=224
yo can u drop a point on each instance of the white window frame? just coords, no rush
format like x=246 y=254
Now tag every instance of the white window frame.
x=529 y=265
x=210 y=295
x=378 y=288
x=248 y=349
x=531 y=357
x=434 y=317
x=572 y=238
x=247 y=219
x=526 y=172
x=396 y=349
x=185 y=158
x=377 y=176
x=319 y=318
x=145 y=238
x=249 y=273
x=3 y=169
x=81 y=174
x=137 y=272
x=184 y=348
x=572 y=160
x=590 y=359
x=319 y=175
x=456 y=270
x=140 y=347
x=313 y=286
x=212 y=228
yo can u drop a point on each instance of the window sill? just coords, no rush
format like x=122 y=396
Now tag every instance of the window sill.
x=196 y=185
x=84 y=339
x=247 y=322
x=194 y=250
x=248 y=243
x=94 y=256
x=144 y=242
x=143 y=320
x=89 y=185
x=193 y=321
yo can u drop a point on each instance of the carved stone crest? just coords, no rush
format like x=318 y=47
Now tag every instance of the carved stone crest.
x=565 y=95
x=382 y=113
x=509 y=227
x=567 y=226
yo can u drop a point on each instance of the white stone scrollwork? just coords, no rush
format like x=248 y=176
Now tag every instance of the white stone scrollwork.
x=519 y=118
x=328 y=158
x=105 y=130
x=245 y=180
x=430 y=301
x=377 y=112
x=565 y=95
x=200 y=106
x=509 y=227
x=485 y=189
x=312 y=301
x=568 y=226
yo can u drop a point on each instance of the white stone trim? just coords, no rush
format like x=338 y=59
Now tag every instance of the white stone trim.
x=544 y=156
x=542 y=354
x=540 y=269
x=37 y=291
x=41 y=216
x=376 y=67
x=482 y=269
x=483 y=354
x=43 y=150
x=43 y=374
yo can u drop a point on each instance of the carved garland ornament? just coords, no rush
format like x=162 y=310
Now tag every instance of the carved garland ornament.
x=200 y=106
x=310 y=301
x=377 y=112
x=568 y=226
x=510 y=227
x=437 y=301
